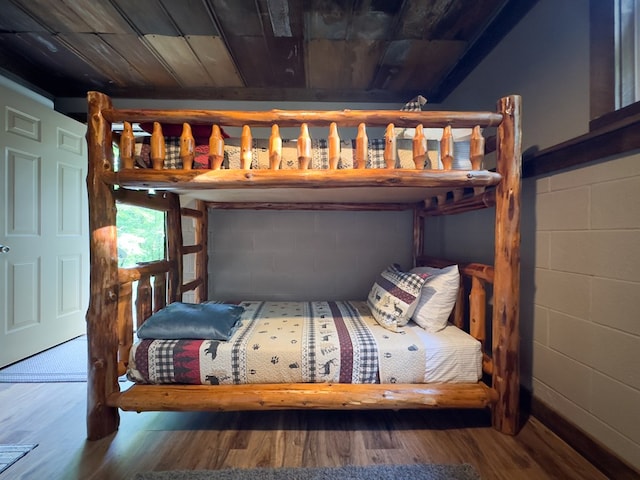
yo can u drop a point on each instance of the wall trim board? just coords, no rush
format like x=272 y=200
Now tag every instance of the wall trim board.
x=617 y=138
x=599 y=455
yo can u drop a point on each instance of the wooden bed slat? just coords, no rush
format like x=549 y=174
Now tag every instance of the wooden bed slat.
x=191 y=212
x=303 y=395
x=192 y=285
x=189 y=249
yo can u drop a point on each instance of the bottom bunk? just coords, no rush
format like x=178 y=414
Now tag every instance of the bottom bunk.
x=409 y=368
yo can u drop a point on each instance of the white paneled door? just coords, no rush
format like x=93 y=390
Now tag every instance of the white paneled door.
x=44 y=256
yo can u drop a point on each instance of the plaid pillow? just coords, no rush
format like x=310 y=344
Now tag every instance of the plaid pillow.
x=414 y=105
x=393 y=296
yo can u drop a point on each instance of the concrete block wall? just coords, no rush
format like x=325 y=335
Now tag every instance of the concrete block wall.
x=303 y=255
x=586 y=279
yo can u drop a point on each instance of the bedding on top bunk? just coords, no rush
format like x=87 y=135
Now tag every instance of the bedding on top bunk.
x=304 y=342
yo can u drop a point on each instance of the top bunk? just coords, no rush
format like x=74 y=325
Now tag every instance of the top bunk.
x=430 y=168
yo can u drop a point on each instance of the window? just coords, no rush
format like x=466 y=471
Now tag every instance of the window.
x=627 y=53
x=615 y=61
x=141 y=235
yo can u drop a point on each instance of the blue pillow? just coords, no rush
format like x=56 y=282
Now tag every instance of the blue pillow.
x=201 y=321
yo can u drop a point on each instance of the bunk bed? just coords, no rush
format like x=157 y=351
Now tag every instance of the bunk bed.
x=487 y=302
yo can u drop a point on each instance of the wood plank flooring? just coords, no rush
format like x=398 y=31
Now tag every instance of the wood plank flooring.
x=53 y=415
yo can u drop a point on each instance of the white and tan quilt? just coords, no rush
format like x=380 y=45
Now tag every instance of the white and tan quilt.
x=288 y=342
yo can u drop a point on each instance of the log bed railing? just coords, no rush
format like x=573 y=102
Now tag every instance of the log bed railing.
x=462 y=185
x=110 y=327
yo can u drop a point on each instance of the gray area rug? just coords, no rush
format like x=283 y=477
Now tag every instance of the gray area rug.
x=369 y=472
x=66 y=362
x=10 y=454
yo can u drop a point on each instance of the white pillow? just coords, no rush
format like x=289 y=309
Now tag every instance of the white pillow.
x=393 y=295
x=438 y=296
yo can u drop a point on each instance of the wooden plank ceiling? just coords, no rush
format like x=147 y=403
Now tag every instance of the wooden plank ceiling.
x=327 y=50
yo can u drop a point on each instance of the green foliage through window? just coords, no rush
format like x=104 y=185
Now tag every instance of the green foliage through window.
x=141 y=235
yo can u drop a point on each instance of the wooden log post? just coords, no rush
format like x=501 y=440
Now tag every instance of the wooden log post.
x=125 y=326
x=187 y=147
x=102 y=313
x=390 y=146
x=275 y=148
x=202 y=258
x=418 y=234
x=127 y=146
x=158 y=147
x=333 y=141
x=477 y=310
x=174 y=247
x=216 y=148
x=506 y=305
x=362 y=147
x=457 y=316
x=304 y=147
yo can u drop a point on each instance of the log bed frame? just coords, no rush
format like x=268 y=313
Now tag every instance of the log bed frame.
x=110 y=321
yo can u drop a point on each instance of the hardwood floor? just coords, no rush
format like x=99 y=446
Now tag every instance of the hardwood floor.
x=53 y=415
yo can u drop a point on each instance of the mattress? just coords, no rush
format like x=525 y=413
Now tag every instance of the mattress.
x=310 y=342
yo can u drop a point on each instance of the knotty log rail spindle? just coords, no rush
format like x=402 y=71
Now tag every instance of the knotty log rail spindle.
x=216 y=148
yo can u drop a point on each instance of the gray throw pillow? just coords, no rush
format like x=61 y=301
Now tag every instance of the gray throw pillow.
x=205 y=321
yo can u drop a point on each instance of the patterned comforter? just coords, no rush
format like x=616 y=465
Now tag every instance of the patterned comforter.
x=288 y=342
